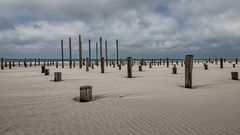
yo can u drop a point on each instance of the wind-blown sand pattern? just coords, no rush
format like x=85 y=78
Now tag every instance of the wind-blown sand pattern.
x=153 y=102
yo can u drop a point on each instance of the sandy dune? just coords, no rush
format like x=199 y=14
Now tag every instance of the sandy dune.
x=153 y=102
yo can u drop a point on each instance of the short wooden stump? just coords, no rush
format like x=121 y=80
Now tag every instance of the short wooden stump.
x=43 y=69
x=234 y=65
x=140 y=68
x=205 y=66
x=46 y=71
x=85 y=93
x=57 y=76
x=234 y=75
x=174 y=70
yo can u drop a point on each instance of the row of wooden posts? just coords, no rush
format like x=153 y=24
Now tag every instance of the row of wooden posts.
x=37 y=62
x=89 y=57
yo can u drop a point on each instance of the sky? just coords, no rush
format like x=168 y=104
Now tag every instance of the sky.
x=144 y=28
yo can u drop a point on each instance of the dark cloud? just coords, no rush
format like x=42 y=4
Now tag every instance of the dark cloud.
x=153 y=28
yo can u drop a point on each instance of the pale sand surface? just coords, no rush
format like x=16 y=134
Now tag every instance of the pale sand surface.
x=154 y=102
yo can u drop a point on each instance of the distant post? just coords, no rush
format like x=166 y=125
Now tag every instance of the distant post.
x=87 y=64
x=25 y=62
x=80 y=51
x=62 y=53
x=101 y=47
x=236 y=61
x=106 y=54
x=30 y=62
x=117 y=51
x=2 y=66
x=129 y=67
x=167 y=63
x=96 y=53
x=221 y=62
x=102 y=65
x=35 y=63
x=89 y=53
x=70 y=53
x=188 y=71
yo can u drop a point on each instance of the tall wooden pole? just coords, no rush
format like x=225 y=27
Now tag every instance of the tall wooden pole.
x=89 y=61
x=62 y=53
x=106 y=54
x=80 y=51
x=129 y=67
x=2 y=66
x=100 y=47
x=70 y=53
x=188 y=71
x=96 y=53
x=117 y=51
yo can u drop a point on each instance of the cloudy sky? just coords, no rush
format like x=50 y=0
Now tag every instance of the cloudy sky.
x=144 y=28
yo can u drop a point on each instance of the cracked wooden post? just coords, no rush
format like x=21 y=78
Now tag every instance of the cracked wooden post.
x=234 y=75
x=57 y=76
x=96 y=54
x=102 y=65
x=85 y=93
x=62 y=53
x=89 y=53
x=129 y=67
x=70 y=53
x=221 y=62
x=106 y=53
x=188 y=71
x=117 y=52
x=2 y=65
x=87 y=64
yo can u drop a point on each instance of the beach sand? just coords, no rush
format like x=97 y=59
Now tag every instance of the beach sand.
x=153 y=102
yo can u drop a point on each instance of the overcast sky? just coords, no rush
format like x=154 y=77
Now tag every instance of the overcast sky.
x=144 y=28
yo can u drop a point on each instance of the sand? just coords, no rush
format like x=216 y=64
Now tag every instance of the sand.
x=154 y=102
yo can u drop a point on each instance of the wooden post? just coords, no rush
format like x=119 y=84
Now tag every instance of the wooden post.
x=234 y=75
x=57 y=76
x=102 y=65
x=167 y=63
x=80 y=52
x=100 y=47
x=46 y=71
x=38 y=61
x=96 y=53
x=150 y=65
x=25 y=62
x=57 y=64
x=62 y=54
x=10 y=65
x=35 y=62
x=234 y=65
x=19 y=64
x=70 y=53
x=119 y=66
x=188 y=71
x=106 y=54
x=129 y=67
x=92 y=66
x=117 y=51
x=87 y=64
x=85 y=93
x=236 y=61
x=89 y=53
x=30 y=62
x=205 y=66
x=174 y=69
x=2 y=66
x=140 y=68
x=221 y=62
